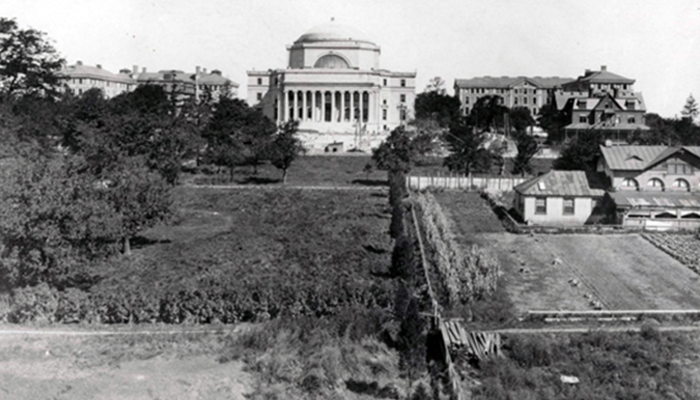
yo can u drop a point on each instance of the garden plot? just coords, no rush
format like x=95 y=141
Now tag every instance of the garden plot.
x=584 y=272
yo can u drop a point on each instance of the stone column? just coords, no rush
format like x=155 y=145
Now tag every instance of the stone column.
x=304 y=102
x=295 y=111
x=342 y=106
x=286 y=105
x=359 y=109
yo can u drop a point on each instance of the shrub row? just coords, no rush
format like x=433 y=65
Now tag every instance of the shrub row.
x=468 y=274
x=684 y=248
x=46 y=304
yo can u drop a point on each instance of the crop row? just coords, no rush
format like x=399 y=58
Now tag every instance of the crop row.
x=684 y=248
x=466 y=274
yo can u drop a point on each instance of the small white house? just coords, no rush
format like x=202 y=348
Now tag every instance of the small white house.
x=559 y=198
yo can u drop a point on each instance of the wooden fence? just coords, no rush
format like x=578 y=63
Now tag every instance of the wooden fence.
x=468 y=182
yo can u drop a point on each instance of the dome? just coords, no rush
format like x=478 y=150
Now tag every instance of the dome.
x=333 y=32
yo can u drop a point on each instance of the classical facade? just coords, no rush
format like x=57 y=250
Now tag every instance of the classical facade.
x=333 y=85
x=529 y=92
x=602 y=100
x=80 y=78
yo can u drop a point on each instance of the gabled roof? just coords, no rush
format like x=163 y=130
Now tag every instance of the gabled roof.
x=563 y=183
x=639 y=158
x=507 y=82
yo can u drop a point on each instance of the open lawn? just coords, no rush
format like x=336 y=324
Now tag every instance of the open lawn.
x=573 y=272
x=233 y=255
x=347 y=170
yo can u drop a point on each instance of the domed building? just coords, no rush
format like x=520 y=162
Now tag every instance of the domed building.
x=334 y=87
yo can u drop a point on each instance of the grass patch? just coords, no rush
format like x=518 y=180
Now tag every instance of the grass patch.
x=470 y=214
x=622 y=366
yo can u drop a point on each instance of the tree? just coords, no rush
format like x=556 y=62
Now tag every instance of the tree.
x=690 y=109
x=412 y=343
x=53 y=223
x=285 y=147
x=553 y=122
x=396 y=153
x=436 y=85
x=520 y=118
x=527 y=148
x=582 y=152
x=661 y=131
x=487 y=113
x=467 y=150
x=28 y=62
x=433 y=105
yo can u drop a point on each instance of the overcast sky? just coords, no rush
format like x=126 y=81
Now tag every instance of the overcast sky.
x=656 y=42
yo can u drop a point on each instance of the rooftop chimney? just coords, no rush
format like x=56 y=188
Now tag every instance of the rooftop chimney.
x=143 y=70
x=603 y=68
x=99 y=66
x=197 y=69
x=204 y=70
x=79 y=62
x=135 y=69
x=588 y=72
x=216 y=72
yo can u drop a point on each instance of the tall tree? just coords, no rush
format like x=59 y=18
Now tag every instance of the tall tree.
x=527 y=148
x=581 y=153
x=520 y=118
x=553 y=122
x=487 y=113
x=690 y=109
x=28 y=62
x=468 y=151
x=433 y=105
x=285 y=147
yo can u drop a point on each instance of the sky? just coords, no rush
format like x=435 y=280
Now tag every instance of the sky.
x=655 y=42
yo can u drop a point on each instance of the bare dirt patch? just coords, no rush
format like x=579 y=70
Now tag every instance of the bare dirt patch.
x=573 y=272
x=143 y=367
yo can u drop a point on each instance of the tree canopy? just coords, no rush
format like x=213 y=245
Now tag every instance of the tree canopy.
x=581 y=153
x=433 y=105
x=28 y=62
x=468 y=152
x=285 y=147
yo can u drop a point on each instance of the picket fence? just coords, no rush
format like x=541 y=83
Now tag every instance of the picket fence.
x=468 y=182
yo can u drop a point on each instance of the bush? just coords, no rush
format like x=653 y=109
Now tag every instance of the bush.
x=33 y=303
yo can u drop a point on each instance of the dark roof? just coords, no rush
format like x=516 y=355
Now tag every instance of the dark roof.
x=506 y=82
x=563 y=183
x=184 y=77
x=639 y=158
x=628 y=198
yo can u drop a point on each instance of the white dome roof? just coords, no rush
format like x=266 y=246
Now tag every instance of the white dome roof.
x=333 y=31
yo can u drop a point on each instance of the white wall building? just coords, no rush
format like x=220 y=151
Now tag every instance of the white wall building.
x=334 y=87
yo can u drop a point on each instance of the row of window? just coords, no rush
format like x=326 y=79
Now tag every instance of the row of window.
x=88 y=81
x=541 y=206
x=655 y=183
x=585 y=119
x=402 y=82
x=494 y=90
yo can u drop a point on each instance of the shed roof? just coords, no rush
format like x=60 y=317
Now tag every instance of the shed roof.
x=631 y=199
x=563 y=183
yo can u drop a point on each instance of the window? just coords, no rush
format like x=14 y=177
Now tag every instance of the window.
x=655 y=183
x=630 y=183
x=534 y=111
x=524 y=100
x=384 y=101
x=384 y=115
x=541 y=205
x=515 y=91
x=681 y=184
x=403 y=83
x=259 y=81
x=259 y=95
x=583 y=119
x=466 y=100
x=384 y=82
x=534 y=100
x=403 y=115
x=277 y=81
x=515 y=101
x=568 y=206
x=678 y=167
x=403 y=98
x=631 y=120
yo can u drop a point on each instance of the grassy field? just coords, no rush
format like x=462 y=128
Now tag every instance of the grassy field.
x=233 y=255
x=622 y=272
x=470 y=214
x=336 y=171
x=622 y=366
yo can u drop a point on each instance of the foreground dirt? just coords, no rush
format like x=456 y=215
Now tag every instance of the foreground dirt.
x=571 y=272
x=111 y=367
